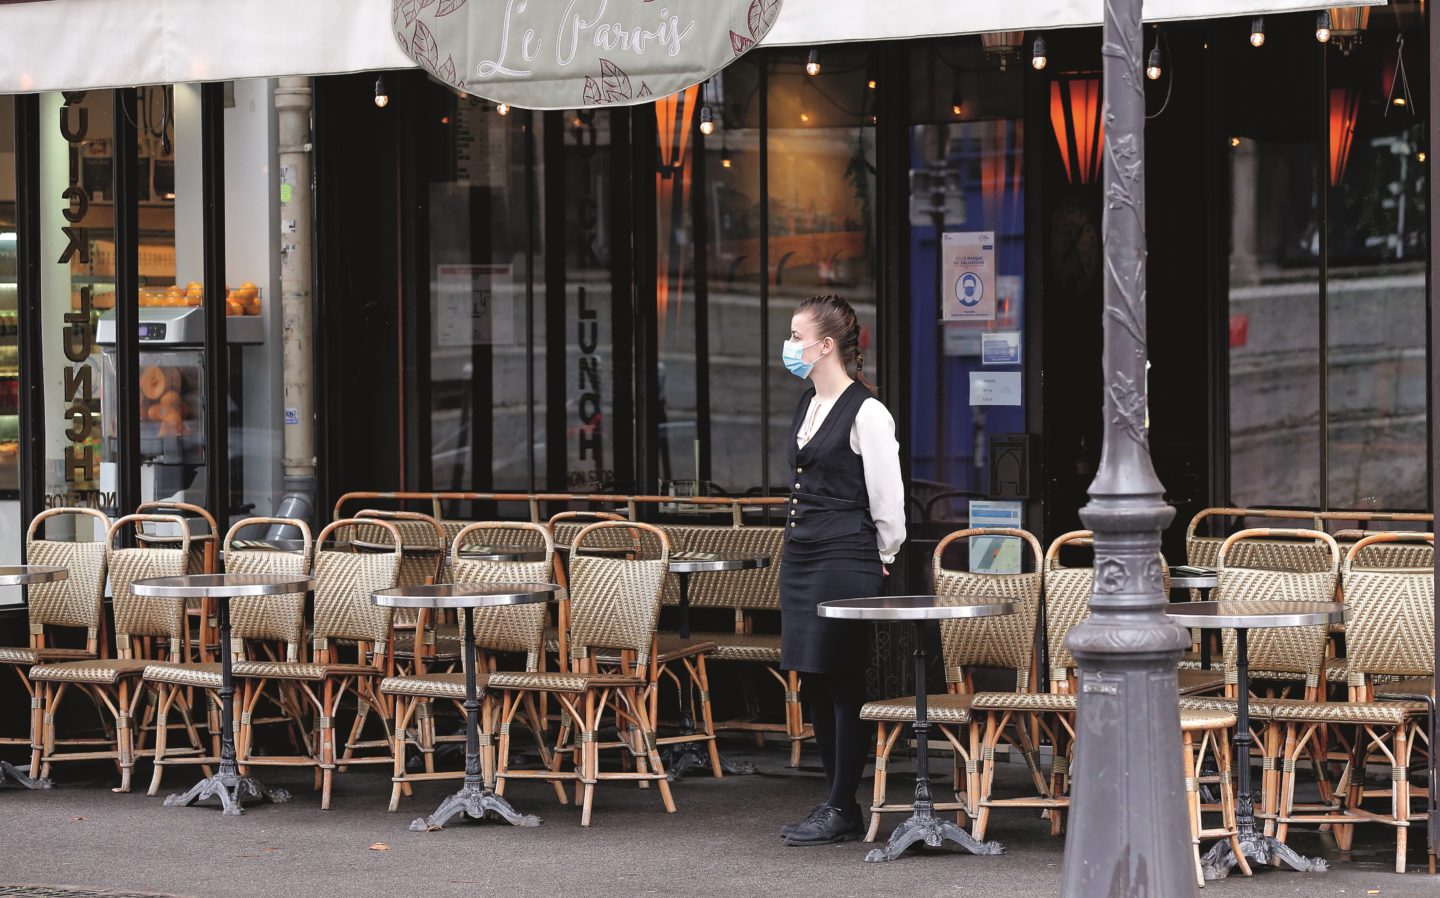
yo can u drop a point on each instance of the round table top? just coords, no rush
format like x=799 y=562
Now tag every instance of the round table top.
x=1256 y=614
x=465 y=595
x=697 y=563
x=916 y=607
x=1183 y=576
x=406 y=549
x=502 y=553
x=26 y=574
x=220 y=586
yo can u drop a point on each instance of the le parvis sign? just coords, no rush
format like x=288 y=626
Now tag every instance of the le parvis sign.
x=565 y=54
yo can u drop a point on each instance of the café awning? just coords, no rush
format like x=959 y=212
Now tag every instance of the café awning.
x=78 y=44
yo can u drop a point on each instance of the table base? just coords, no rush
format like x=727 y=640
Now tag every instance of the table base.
x=21 y=777
x=474 y=801
x=232 y=789
x=681 y=758
x=1260 y=850
x=925 y=827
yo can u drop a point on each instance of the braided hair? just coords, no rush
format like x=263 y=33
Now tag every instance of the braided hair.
x=834 y=318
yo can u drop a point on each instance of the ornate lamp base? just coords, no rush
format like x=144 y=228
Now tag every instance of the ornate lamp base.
x=474 y=801
x=232 y=789
x=923 y=826
x=1260 y=850
x=21 y=777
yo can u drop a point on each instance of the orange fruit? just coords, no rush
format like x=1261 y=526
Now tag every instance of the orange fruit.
x=252 y=305
x=234 y=307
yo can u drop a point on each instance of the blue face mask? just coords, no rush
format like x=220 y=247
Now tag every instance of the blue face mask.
x=793 y=355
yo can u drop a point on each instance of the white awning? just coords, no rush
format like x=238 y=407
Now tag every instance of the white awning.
x=79 y=44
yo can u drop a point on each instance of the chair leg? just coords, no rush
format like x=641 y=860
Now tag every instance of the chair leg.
x=794 y=717
x=589 y=763
x=124 y=733
x=1192 y=802
x=882 y=758
x=403 y=710
x=165 y=696
x=1225 y=757
x=1400 y=795
x=987 y=777
x=327 y=744
x=707 y=716
x=37 y=732
x=647 y=727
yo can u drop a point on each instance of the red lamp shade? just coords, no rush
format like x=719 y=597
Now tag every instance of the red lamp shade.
x=1344 y=108
x=1075 y=118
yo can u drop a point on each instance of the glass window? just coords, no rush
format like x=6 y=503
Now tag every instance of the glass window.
x=9 y=330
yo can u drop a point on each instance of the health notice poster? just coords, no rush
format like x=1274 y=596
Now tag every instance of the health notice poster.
x=969 y=273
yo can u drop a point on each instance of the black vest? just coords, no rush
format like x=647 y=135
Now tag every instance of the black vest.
x=828 y=501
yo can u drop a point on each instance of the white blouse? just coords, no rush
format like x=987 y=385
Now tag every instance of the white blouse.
x=872 y=437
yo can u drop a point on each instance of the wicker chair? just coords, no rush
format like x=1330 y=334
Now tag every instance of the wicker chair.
x=259 y=626
x=746 y=594
x=563 y=528
x=146 y=629
x=422 y=561
x=1391 y=633
x=201 y=634
x=75 y=603
x=615 y=603
x=345 y=581
x=520 y=629
x=1006 y=643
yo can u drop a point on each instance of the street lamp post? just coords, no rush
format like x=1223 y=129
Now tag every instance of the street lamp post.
x=1128 y=832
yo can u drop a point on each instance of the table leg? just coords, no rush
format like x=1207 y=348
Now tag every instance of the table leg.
x=680 y=758
x=923 y=825
x=475 y=799
x=227 y=784
x=1205 y=635
x=1257 y=847
x=21 y=777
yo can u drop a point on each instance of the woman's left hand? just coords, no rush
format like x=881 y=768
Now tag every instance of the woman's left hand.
x=885 y=570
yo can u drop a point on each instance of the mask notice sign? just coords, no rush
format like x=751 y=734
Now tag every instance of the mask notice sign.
x=969 y=276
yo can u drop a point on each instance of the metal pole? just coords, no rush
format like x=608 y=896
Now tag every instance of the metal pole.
x=293 y=103
x=1129 y=833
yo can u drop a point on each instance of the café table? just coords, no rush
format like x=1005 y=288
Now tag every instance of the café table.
x=920 y=611
x=502 y=553
x=227 y=784
x=1185 y=576
x=1243 y=616
x=27 y=575
x=682 y=757
x=475 y=798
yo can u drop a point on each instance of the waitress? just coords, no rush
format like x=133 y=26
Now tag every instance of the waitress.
x=846 y=522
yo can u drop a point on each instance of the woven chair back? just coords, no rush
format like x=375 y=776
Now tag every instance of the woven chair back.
x=1391 y=630
x=345 y=581
x=517 y=628
x=566 y=525
x=1204 y=551
x=615 y=602
x=1007 y=641
x=1294 y=650
x=751 y=590
x=201 y=557
x=422 y=551
x=1410 y=550
x=269 y=618
x=137 y=616
x=77 y=601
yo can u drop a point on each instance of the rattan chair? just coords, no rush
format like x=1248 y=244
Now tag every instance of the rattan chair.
x=422 y=561
x=1391 y=633
x=262 y=628
x=615 y=603
x=75 y=603
x=519 y=630
x=201 y=634
x=345 y=581
x=1005 y=643
x=146 y=629
x=563 y=528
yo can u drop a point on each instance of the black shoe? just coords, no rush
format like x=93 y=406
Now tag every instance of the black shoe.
x=827 y=825
x=788 y=828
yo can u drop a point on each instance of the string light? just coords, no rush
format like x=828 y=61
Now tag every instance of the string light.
x=812 y=63
x=805 y=117
x=956 y=106
x=503 y=109
x=870 y=84
x=707 y=121
x=1039 y=57
x=1234 y=141
x=725 y=158
x=1153 y=69
x=1257 y=31
x=1420 y=156
x=382 y=99
x=1322 y=26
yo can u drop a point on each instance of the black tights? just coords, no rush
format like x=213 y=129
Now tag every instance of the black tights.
x=835 y=701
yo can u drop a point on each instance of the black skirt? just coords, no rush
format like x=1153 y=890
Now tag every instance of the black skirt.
x=813 y=574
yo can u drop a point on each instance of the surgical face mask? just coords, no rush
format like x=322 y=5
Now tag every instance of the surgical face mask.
x=793 y=355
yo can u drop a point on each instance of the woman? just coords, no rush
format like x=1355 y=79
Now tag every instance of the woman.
x=846 y=523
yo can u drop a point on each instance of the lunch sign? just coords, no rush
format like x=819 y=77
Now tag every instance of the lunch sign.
x=564 y=54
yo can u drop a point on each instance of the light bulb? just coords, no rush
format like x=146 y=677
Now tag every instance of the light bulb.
x=1153 y=70
x=805 y=117
x=382 y=99
x=1420 y=156
x=957 y=107
x=725 y=159
x=1257 y=31
x=707 y=121
x=1398 y=101
x=812 y=63
x=1234 y=141
x=1322 y=26
x=1039 y=57
x=870 y=84
x=503 y=109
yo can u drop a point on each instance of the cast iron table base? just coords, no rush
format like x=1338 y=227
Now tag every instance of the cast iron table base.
x=923 y=825
x=21 y=777
x=231 y=788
